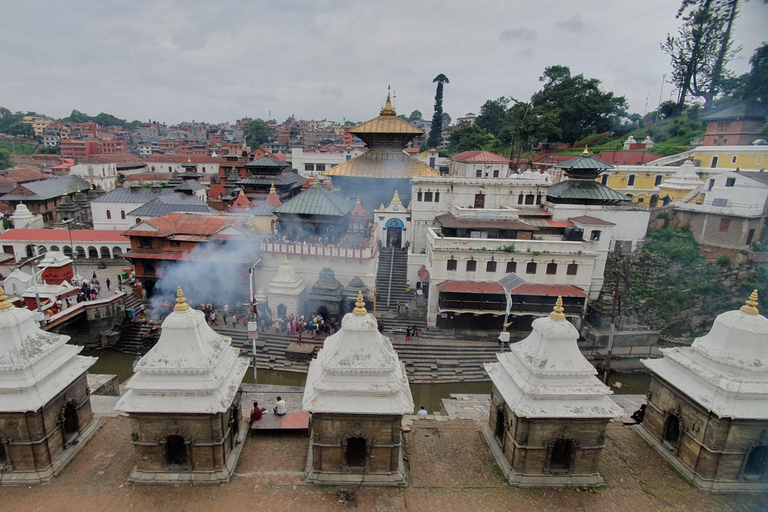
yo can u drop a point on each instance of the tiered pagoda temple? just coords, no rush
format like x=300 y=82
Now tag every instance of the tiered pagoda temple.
x=707 y=411
x=548 y=410
x=45 y=406
x=316 y=212
x=184 y=403
x=263 y=173
x=357 y=392
x=581 y=187
x=376 y=174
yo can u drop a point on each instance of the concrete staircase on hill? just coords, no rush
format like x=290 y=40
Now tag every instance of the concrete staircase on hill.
x=392 y=276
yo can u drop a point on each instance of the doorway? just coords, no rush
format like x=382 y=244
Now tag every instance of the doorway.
x=501 y=426
x=560 y=458
x=356 y=452
x=70 y=424
x=672 y=431
x=394 y=237
x=479 y=200
x=176 y=451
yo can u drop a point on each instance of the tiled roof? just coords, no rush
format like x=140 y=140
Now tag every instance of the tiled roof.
x=184 y=159
x=123 y=159
x=592 y=221
x=549 y=290
x=424 y=274
x=470 y=287
x=23 y=173
x=480 y=156
x=48 y=189
x=132 y=195
x=62 y=235
x=382 y=164
x=171 y=203
x=283 y=179
x=316 y=201
x=200 y=224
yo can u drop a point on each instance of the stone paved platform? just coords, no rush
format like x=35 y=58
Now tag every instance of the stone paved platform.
x=466 y=407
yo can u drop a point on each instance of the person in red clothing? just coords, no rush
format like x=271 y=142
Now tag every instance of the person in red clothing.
x=299 y=339
x=256 y=414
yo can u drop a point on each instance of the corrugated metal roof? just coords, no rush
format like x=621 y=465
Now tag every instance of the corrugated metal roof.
x=132 y=195
x=449 y=221
x=316 y=201
x=382 y=164
x=267 y=161
x=171 y=203
x=262 y=210
x=190 y=185
x=48 y=189
x=549 y=290
x=593 y=221
x=584 y=162
x=741 y=111
x=584 y=190
x=480 y=156
x=283 y=179
x=424 y=274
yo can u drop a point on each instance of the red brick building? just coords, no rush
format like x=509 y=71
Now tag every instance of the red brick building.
x=79 y=148
x=735 y=126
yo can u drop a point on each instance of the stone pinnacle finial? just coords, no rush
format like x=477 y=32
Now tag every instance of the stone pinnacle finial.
x=242 y=192
x=272 y=189
x=750 y=307
x=181 y=302
x=388 y=109
x=360 y=305
x=557 y=311
x=586 y=150
x=4 y=302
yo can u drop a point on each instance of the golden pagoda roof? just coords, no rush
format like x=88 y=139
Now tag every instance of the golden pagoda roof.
x=387 y=122
x=382 y=164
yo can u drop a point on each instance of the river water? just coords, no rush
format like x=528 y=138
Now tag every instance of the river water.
x=428 y=395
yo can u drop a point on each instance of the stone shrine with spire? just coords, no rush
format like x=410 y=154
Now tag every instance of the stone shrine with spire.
x=548 y=410
x=326 y=295
x=375 y=175
x=707 y=411
x=357 y=393
x=184 y=403
x=286 y=292
x=45 y=407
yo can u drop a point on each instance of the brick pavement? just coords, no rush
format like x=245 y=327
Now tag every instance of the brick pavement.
x=450 y=472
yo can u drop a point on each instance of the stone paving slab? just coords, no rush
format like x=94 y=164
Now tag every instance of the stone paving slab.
x=465 y=406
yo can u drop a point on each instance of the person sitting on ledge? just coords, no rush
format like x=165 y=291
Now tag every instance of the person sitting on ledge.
x=256 y=414
x=639 y=414
x=422 y=414
x=280 y=407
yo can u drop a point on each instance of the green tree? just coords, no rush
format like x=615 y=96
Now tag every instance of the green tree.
x=529 y=124
x=756 y=81
x=5 y=159
x=446 y=120
x=468 y=137
x=77 y=117
x=416 y=114
x=701 y=48
x=257 y=133
x=11 y=123
x=437 y=119
x=581 y=107
x=50 y=150
x=494 y=116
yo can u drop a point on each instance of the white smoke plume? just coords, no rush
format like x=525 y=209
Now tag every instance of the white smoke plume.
x=211 y=273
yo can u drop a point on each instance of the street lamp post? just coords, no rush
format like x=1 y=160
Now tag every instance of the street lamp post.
x=68 y=223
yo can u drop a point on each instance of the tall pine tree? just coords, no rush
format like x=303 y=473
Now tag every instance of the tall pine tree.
x=437 y=118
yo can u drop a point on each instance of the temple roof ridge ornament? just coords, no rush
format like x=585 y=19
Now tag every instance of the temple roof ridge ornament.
x=388 y=109
x=557 y=311
x=181 y=302
x=360 y=305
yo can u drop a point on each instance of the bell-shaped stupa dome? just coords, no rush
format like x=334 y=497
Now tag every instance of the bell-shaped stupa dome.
x=191 y=368
x=726 y=370
x=35 y=365
x=546 y=376
x=357 y=371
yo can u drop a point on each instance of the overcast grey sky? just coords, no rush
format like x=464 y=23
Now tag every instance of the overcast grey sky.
x=215 y=61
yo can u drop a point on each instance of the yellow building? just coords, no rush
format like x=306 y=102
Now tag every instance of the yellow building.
x=745 y=158
x=639 y=182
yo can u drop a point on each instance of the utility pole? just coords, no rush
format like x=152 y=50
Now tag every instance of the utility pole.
x=614 y=306
x=660 y=93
